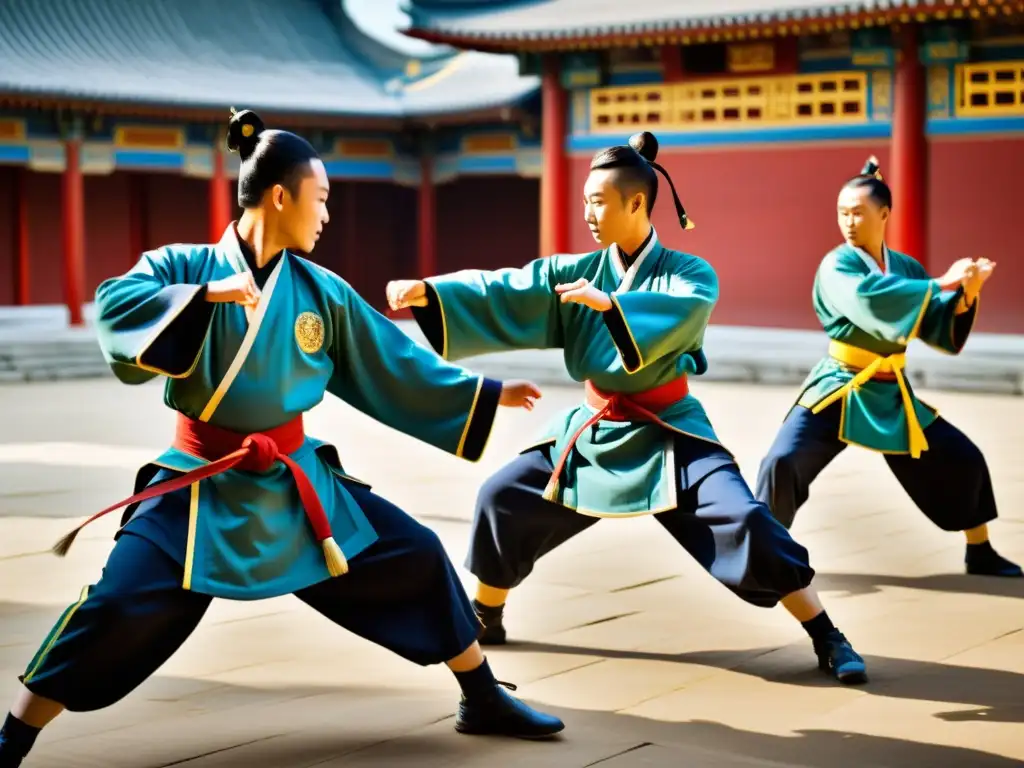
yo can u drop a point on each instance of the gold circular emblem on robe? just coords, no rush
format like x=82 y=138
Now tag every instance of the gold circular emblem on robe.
x=309 y=332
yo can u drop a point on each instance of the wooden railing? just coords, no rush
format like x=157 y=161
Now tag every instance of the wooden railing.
x=990 y=89
x=827 y=98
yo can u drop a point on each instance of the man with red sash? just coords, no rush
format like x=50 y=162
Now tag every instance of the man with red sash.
x=244 y=505
x=630 y=319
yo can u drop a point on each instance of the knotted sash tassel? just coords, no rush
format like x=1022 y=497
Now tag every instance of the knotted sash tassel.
x=226 y=450
x=618 y=406
x=337 y=565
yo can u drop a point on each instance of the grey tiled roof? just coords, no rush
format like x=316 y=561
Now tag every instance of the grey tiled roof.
x=553 y=19
x=295 y=56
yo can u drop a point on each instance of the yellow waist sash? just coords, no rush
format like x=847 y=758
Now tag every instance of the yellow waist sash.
x=868 y=365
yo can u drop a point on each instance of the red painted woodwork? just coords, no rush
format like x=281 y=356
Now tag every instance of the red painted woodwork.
x=671 y=63
x=23 y=267
x=73 y=229
x=138 y=237
x=371 y=237
x=487 y=222
x=973 y=211
x=554 y=228
x=909 y=152
x=765 y=217
x=221 y=200
x=426 y=221
x=9 y=192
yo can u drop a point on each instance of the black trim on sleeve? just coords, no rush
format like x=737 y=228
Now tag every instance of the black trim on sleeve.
x=616 y=324
x=430 y=320
x=482 y=419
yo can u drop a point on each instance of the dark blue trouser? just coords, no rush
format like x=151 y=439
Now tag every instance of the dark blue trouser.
x=949 y=483
x=402 y=593
x=717 y=521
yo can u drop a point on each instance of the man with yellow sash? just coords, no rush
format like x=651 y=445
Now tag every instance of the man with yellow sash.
x=872 y=302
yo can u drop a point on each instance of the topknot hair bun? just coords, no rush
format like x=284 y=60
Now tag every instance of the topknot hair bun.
x=645 y=144
x=871 y=168
x=244 y=131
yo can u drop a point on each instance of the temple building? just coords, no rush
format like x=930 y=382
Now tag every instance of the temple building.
x=112 y=119
x=763 y=108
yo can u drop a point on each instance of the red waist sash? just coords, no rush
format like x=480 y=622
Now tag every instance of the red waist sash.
x=620 y=406
x=225 y=450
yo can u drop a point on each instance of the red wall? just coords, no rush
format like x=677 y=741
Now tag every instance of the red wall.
x=765 y=216
x=487 y=222
x=8 y=234
x=371 y=237
x=976 y=202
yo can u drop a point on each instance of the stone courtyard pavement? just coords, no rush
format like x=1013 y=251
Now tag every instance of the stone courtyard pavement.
x=648 y=660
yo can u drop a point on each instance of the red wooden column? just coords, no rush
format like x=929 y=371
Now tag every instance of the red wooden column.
x=138 y=218
x=554 y=180
x=672 y=63
x=73 y=201
x=220 y=194
x=426 y=210
x=351 y=262
x=909 y=162
x=21 y=243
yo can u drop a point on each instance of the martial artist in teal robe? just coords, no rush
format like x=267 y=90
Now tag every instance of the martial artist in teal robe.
x=674 y=467
x=243 y=534
x=861 y=395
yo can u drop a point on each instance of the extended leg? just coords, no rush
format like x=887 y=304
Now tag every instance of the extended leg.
x=404 y=594
x=109 y=641
x=735 y=538
x=514 y=527
x=950 y=483
x=805 y=444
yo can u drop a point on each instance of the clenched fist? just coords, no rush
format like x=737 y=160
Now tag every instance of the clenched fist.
x=406 y=293
x=518 y=394
x=240 y=288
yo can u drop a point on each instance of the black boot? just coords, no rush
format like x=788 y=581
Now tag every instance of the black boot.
x=983 y=560
x=16 y=740
x=487 y=709
x=500 y=714
x=493 y=632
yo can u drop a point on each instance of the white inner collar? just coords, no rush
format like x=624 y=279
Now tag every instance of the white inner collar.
x=626 y=276
x=870 y=261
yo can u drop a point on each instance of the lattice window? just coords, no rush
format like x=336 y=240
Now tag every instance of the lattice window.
x=740 y=102
x=614 y=108
x=990 y=88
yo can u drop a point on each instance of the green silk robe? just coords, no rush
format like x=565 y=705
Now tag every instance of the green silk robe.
x=653 y=334
x=248 y=371
x=882 y=312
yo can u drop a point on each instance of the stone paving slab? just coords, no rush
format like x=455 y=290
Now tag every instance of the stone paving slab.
x=649 y=661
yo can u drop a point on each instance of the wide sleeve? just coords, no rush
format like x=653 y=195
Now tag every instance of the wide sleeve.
x=887 y=306
x=151 y=320
x=385 y=374
x=474 y=312
x=942 y=326
x=646 y=325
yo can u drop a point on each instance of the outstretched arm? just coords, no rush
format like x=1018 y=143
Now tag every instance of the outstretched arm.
x=389 y=377
x=474 y=312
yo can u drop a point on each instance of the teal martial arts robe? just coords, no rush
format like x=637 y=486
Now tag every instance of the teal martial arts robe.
x=870 y=316
x=652 y=335
x=248 y=371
